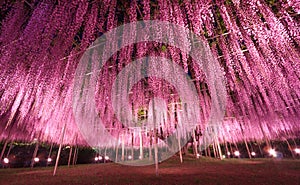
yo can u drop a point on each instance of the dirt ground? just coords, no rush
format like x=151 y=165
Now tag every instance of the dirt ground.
x=191 y=171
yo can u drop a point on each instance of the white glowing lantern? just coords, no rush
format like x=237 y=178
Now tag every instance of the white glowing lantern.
x=36 y=159
x=228 y=153
x=96 y=158
x=100 y=158
x=253 y=153
x=297 y=150
x=272 y=152
x=49 y=159
x=129 y=157
x=237 y=153
x=6 y=160
x=106 y=158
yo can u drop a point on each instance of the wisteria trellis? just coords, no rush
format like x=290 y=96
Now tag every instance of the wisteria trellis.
x=256 y=42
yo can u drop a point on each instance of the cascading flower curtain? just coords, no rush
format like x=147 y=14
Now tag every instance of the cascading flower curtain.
x=256 y=43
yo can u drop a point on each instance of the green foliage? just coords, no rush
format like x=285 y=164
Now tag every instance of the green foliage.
x=243 y=46
x=205 y=32
x=142 y=114
x=271 y=2
x=261 y=17
x=291 y=10
x=78 y=37
x=228 y=2
x=273 y=5
x=221 y=25
x=163 y=48
x=237 y=77
x=180 y=2
x=190 y=150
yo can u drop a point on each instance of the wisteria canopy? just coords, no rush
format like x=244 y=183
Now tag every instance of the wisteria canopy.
x=256 y=43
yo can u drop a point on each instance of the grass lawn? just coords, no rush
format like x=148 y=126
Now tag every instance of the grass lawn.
x=191 y=171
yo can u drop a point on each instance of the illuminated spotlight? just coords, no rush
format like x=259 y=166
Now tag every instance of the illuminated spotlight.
x=96 y=158
x=106 y=158
x=253 y=153
x=237 y=153
x=223 y=156
x=100 y=158
x=297 y=150
x=129 y=157
x=6 y=160
x=36 y=159
x=228 y=153
x=49 y=159
x=272 y=152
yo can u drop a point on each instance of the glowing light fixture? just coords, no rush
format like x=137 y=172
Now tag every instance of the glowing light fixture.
x=237 y=153
x=6 y=160
x=100 y=158
x=36 y=159
x=272 y=152
x=96 y=158
x=253 y=153
x=228 y=153
x=297 y=150
x=106 y=158
x=130 y=157
x=49 y=159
